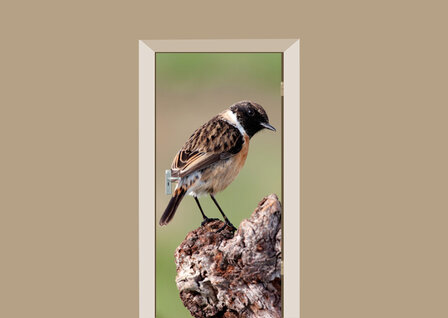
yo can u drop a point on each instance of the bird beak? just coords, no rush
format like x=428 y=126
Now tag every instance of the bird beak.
x=267 y=126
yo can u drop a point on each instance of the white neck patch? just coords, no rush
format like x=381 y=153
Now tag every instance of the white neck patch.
x=231 y=118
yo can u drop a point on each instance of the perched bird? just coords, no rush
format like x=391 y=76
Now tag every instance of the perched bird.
x=214 y=155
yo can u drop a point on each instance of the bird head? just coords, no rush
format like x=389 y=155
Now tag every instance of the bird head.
x=251 y=116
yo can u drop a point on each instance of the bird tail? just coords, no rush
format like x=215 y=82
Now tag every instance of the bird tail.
x=170 y=210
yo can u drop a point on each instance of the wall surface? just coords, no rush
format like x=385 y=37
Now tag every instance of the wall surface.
x=374 y=172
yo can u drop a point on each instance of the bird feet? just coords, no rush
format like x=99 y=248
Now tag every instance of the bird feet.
x=232 y=228
x=208 y=220
x=227 y=223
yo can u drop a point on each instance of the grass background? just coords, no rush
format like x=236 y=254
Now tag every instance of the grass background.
x=190 y=89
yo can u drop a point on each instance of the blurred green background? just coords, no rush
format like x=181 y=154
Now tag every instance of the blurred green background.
x=191 y=88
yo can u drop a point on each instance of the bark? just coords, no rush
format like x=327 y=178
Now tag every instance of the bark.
x=221 y=274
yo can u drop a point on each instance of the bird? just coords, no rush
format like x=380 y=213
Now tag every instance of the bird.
x=213 y=156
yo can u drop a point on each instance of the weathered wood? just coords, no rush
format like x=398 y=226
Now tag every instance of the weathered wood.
x=224 y=275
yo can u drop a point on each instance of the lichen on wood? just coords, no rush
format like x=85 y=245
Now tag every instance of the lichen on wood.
x=226 y=274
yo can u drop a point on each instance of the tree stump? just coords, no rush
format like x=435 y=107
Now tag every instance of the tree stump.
x=221 y=274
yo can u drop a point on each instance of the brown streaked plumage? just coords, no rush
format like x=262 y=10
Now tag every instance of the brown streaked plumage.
x=214 y=141
x=214 y=154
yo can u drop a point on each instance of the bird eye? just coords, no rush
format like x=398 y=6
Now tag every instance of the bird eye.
x=250 y=112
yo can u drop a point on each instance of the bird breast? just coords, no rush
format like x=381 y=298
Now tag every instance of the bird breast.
x=218 y=176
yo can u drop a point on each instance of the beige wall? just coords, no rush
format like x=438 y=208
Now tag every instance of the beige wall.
x=374 y=155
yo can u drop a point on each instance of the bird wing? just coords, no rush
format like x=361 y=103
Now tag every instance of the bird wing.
x=214 y=141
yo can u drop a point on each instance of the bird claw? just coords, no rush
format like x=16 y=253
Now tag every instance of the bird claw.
x=208 y=220
x=232 y=228
x=227 y=223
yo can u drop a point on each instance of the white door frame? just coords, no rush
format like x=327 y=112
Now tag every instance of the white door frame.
x=291 y=159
